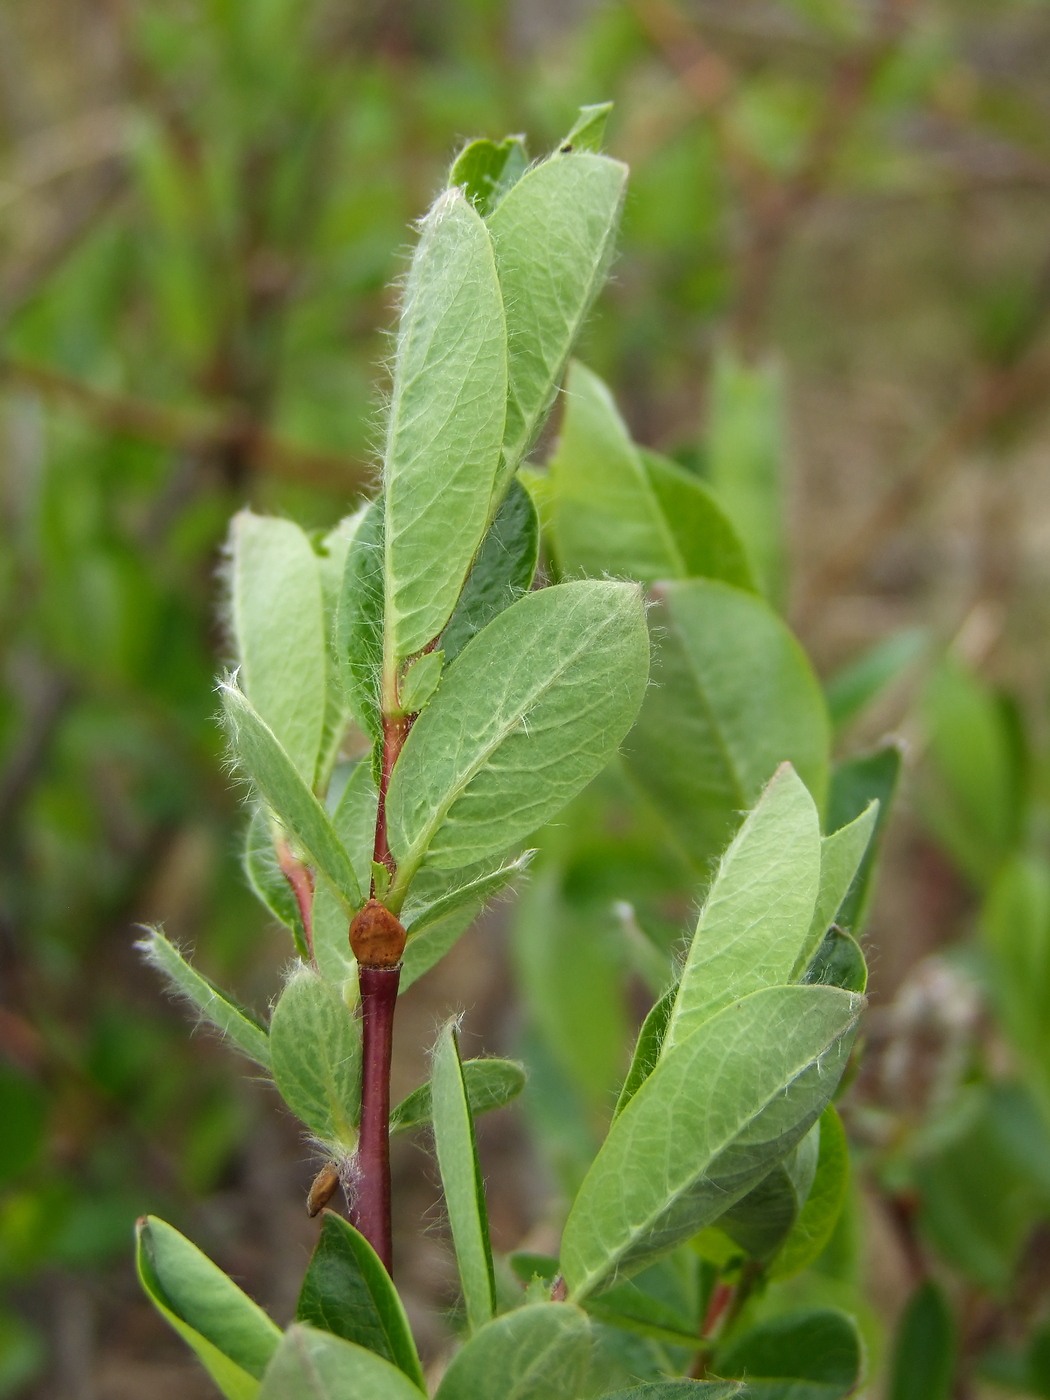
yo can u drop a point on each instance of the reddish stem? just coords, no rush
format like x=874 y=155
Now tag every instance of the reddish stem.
x=395 y=732
x=371 y=1209
x=302 y=882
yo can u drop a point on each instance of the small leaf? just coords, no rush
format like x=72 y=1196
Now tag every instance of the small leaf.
x=576 y=201
x=447 y=415
x=856 y=782
x=277 y=612
x=490 y=1084
x=354 y=819
x=854 y=687
x=647 y=1049
x=348 y=1292
x=758 y=911
x=841 y=855
x=380 y=878
x=420 y=916
x=711 y=1121
x=292 y=802
x=359 y=622
x=315 y=1048
x=820 y=1345
x=588 y=128
x=529 y=712
x=232 y=1336
x=823 y=1206
x=761 y=1221
x=709 y=545
x=213 y=1005
x=537 y=1352
x=268 y=880
x=486 y=170
x=461 y=1182
x=500 y=574
x=313 y=1365
x=420 y=681
x=838 y=962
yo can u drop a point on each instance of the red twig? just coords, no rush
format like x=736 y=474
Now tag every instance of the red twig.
x=371 y=1208
x=302 y=882
x=395 y=732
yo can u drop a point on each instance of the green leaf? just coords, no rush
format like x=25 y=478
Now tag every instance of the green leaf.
x=821 y=1345
x=420 y=681
x=710 y=1122
x=422 y=915
x=855 y=783
x=841 y=855
x=588 y=129
x=838 y=962
x=744 y=451
x=24 y=1108
x=486 y=170
x=1015 y=928
x=268 y=881
x=490 y=1084
x=315 y=1049
x=924 y=1351
x=447 y=417
x=461 y=1182
x=854 y=687
x=576 y=201
x=707 y=542
x=761 y=1221
x=647 y=1048
x=232 y=1336
x=733 y=697
x=538 y=1352
x=823 y=1206
x=213 y=1005
x=359 y=622
x=758 y=911
x=313 y=1365
x=529 y=712
x=354 y=819
x=682 y=1390
x=501 y=573
x=298 y=810
x=348 y=1292
x=663 y=1302
x=277 y=614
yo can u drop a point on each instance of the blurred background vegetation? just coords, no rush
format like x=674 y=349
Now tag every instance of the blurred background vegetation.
x=203 y=204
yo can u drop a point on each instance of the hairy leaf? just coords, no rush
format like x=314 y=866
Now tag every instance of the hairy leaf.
x=841 y=855
x=349 y=1293
x=313 y=1365
x=710 y=1122
x=420 y=680
x=490 y=1083
x=461 y=1182
x=447 y=417
x=359 y=622
x=709 y=545
x=315 y=1049
x=823 y=1205
x=538 y=1352
x=838 y=962
x=527 y=714
x=647 y=1049
x=486 y=170
x=683 y=1390
x=268 y=880
x=856 y=782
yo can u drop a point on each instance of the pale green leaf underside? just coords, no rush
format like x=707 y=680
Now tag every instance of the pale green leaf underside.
x=537 y=1352
x=532 y=709
x=713 y=1118
x=268 y=880
x=277 y=611
x=446 y=424
x=215 y=1008
x=490 y=1083
x=758 y=912
x=313 y=1365
x=315 y=1050
x=840 y=856
x=550 y=278
x=461 y=1179
x=276 y=780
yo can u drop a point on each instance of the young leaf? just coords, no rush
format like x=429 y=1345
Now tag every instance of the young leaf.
x=648 y=1047
x=823 y=1205
x=277 y=612
x=313 y=1365
x=758 y=911
x=500 y=574
x=588 y=129
x=315 y=1049
x=575 y=200
x=420 y=681
x=709 y=545
x=268 y=880
x=924 y=1354
x=855 y=686
x=348 y=1292
x=461 y=1182
x=538 y=1352
x=332 y=954
x=486 y=170
x=662 y=1302
x=733 y=697
x=273 y=775
x=359 y=622
x=354 y=820
x=232 y=1336
x=489 y=1083
x=447 y=417
x=710 y=1122
x=856 y=782
x=841 y=854
x=529 y=712
x=214 y=1006
x=821 y=1345
x=838 y=962
x=761 y=1221
x=421 y=915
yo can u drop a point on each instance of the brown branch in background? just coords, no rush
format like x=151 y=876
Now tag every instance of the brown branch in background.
x=179 y=428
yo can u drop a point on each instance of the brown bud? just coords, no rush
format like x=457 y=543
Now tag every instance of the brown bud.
x=376 y=937
x=326 y=1183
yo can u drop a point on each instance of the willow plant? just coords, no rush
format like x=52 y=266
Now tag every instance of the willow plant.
x=407 y=708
